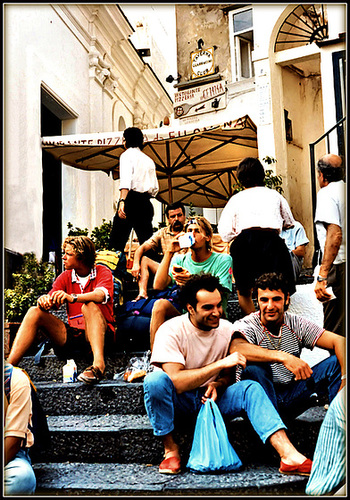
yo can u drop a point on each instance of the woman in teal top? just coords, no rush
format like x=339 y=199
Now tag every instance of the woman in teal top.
x=217 y=264
x=200 y=258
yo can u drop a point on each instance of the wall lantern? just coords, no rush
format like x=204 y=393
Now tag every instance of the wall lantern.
x=171 y=79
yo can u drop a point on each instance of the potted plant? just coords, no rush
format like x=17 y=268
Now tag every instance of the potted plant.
x=33 y=279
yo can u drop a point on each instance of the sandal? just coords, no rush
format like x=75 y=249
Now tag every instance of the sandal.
x=92 y=375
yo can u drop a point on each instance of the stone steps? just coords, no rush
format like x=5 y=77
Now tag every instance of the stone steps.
x=111 y=479
x=107 y=397
x=129 y=438
x=50 y=369
x=103 y=444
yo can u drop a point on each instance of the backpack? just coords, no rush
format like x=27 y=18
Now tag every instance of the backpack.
x=134 y=318
x=116 y=262
x=39 y=426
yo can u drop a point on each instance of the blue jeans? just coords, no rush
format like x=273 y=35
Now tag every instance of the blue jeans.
x=293 y=398
x=162 y=402
x=19 y=475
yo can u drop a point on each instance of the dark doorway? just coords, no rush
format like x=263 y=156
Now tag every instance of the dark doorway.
x=339 y=68
x=52 y=193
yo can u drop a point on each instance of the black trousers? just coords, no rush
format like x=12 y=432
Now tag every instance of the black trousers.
x=334 y=310
x=139 y=214
x=258 y=251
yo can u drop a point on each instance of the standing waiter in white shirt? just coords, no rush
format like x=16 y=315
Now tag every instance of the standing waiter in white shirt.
x=138 y=184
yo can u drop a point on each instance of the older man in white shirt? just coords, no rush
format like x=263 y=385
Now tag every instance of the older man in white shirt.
x=330 y=227
x=138 y=184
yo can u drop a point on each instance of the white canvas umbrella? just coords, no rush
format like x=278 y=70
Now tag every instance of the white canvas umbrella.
x=195 y=164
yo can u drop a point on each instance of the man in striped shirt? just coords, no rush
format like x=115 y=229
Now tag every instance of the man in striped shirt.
x=271 y=339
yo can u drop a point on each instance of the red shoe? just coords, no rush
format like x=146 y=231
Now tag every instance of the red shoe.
x=303 y=469
x=171 y=465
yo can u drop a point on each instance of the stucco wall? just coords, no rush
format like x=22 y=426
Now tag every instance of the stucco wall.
x=303 y=100
x=206 y=22
x=51 y=45
x=39 y=48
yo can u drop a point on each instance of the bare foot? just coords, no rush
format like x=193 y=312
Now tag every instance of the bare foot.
x=139 y=297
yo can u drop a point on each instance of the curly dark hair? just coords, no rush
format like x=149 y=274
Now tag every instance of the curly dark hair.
x=201 y=281
x=271 y=281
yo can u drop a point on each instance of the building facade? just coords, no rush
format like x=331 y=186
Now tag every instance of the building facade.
x=284 y=65
x=67 y=69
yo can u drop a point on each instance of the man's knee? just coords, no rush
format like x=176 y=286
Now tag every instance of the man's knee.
x=19 y=478
x=330 y=366
x=35 y=312
x=88 y=306
x=160 y=306
x=91 y=310
x=162 y=310
x=155 y=382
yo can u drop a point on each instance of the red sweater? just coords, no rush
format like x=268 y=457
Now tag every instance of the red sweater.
x=99 y=277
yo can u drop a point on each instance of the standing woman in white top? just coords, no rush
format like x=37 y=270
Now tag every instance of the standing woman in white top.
x=253 y=220
x=138 y=184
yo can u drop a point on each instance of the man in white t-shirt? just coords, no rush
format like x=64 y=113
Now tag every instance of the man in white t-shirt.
x=330 y=227
x=177 y=268
x=192 y=364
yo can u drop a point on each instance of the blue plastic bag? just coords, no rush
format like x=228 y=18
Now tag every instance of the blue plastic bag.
x=211 y=449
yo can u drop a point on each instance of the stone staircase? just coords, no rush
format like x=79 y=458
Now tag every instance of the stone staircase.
x=103 y=444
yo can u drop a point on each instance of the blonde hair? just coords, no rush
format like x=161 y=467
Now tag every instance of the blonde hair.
x=83 y=247
x=205 y=225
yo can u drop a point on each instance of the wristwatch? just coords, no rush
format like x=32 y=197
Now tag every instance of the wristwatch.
x=75 y=297
x=320 y=278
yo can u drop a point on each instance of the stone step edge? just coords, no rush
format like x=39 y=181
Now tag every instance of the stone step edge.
x=117 y=422
x=99 y=477
x=100 y=423
x=51 y=384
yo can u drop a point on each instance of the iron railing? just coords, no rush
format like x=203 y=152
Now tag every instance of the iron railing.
x=339 y=127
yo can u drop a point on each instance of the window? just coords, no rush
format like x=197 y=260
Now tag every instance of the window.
x=242 y=43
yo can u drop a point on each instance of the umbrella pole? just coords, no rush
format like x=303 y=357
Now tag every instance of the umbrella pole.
x=170 y=188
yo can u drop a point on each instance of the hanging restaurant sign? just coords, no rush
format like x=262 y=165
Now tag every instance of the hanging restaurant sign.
x=201 y=99
x=202 y=62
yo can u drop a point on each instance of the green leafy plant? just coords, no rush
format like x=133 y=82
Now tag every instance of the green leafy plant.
x=100 y=235
x=33 y=280
x=271 y=180
x=191 y=212
x=76 y=231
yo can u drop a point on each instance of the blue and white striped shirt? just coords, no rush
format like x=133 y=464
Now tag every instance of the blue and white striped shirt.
x=296 y=332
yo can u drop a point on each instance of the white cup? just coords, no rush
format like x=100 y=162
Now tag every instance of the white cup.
x=186 y=240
